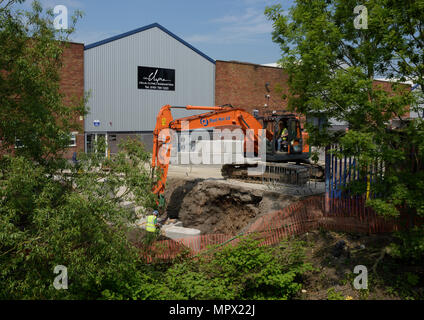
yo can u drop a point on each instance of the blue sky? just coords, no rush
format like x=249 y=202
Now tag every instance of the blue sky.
x=222 y=29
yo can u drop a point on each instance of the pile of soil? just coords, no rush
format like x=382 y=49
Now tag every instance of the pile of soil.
x=215 y=207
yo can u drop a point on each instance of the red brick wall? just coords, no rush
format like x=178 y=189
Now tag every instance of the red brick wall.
x=243 y=85
x=72 y=86
x=387 y=86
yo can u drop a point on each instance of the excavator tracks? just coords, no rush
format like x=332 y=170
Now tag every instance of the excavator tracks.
x=280 y=173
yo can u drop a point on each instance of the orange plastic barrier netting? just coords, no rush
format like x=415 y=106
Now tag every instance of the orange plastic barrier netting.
x=344 y=215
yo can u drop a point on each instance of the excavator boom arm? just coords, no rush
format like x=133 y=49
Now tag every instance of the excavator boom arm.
x=217 y=117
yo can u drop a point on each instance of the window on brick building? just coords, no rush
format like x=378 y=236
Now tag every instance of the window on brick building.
x=73 y=140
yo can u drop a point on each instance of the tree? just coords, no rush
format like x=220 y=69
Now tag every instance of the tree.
x=76 y=220
x=332 y=66
x=52 y=213
x=33 y=114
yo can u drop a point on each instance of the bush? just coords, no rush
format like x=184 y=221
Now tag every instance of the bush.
x=410 y=245
x=75 y=220
x=245 y=271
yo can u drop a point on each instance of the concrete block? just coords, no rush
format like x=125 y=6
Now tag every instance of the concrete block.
x=187 y=236
x=175 y=232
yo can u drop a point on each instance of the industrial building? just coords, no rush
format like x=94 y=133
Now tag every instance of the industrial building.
x=131 y=76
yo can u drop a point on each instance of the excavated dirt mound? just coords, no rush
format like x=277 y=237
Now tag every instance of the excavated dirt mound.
x=213 y=206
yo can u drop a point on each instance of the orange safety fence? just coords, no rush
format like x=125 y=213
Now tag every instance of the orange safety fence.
x=343 y=215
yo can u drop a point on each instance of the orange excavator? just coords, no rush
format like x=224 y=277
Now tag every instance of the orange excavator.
x=286 y=166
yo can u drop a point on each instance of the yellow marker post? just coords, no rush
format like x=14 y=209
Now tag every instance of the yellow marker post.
x=368 y=186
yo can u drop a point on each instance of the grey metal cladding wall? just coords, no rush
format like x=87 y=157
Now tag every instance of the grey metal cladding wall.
x=111 y=78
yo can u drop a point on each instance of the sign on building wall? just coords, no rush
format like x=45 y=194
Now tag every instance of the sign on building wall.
x=156 y=79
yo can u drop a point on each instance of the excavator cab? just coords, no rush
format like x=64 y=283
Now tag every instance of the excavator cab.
x=295 y=136
x=281 y=146
x=292 y=149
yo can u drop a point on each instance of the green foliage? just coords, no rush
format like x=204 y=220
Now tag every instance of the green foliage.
x=75 y=220
x=412 y=279
x=127 y=175
x=332 y=66
x=384 y=207
x=244 y=271
x=34 y=114
x=410 y=245
x=332 y=294
x=405 y=286
x=53 y=213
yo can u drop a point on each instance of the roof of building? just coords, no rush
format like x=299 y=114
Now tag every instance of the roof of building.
x=250 y=64
x=408 y=82
x=150 y=26
x=274 y=65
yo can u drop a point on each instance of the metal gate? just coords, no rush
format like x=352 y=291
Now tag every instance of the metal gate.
x=339 y=173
